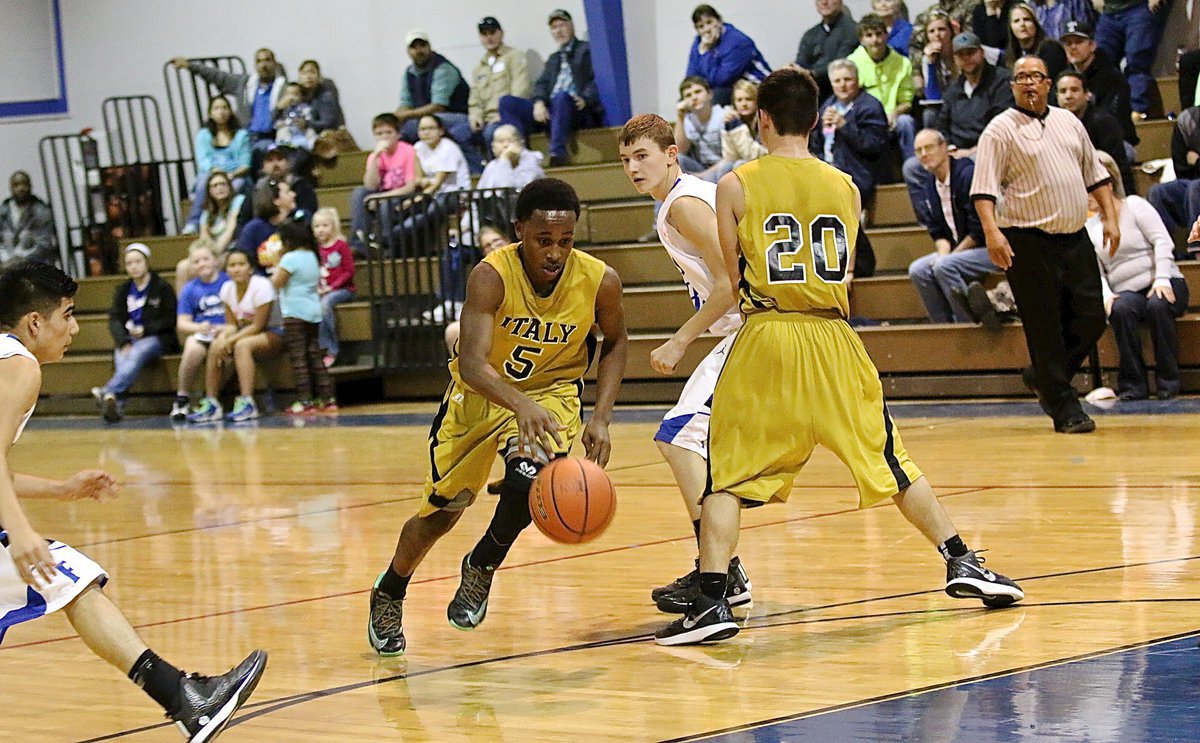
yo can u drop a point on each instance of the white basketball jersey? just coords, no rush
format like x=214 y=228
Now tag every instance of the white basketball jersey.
x=10 y=345
x=697 y=276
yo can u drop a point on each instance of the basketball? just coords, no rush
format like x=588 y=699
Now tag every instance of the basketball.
x=572 y=500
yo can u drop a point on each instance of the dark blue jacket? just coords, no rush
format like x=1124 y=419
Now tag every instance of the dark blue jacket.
x=928 y=206
x=734 y=57
x=860 y=146
x=581 y=69
x=420 y=86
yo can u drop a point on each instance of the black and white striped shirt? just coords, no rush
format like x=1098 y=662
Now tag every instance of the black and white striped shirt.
x=1039 y=170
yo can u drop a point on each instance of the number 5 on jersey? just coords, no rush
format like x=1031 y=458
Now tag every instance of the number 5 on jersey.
x=519 y=364
x=788 y=249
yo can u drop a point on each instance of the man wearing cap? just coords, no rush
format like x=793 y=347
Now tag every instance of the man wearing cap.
x=1109 y=89
x=26 y=224
x=433 y=85
x=142 y=323
x=1034 y=169
x=565 y=97
x=980 y=93
x=501 y=71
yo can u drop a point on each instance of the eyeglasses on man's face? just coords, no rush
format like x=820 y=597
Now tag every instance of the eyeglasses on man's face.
x=1030 y=78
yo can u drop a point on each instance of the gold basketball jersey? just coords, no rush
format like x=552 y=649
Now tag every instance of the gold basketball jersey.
x=797 y=236
x=540 y=343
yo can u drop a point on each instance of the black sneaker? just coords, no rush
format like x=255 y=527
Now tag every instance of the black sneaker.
x=705 y=621
x=1080 y=423
x=679 y=584
x=966 y=578
x=981 y=307
x=469 y=606
x=385 y=628
x=737 y=591
x=207 y=703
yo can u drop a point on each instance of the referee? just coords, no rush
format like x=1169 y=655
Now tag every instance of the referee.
x=1033 y=170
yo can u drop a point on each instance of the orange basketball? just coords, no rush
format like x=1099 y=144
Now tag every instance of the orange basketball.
x=572 y=500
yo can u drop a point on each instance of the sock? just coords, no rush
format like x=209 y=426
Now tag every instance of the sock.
x=712 y=585
x=953 y=547
x=157 y=678
x=488 y=553
x=696 y=528
x=394 y=584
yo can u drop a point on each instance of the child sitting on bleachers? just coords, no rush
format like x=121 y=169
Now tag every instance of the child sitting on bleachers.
x=337 y=278
x=296 y=280
x=293 y=119
x=200 y=317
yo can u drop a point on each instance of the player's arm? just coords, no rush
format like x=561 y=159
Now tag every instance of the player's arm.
x=610 y=315
x=698 y=224
x=485 y=292
x=731 y=204
x=28 y=549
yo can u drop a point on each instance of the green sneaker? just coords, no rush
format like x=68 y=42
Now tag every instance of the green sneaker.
x=244 y=409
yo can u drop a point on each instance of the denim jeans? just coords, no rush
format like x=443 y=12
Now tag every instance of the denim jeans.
x=130 y=363
x=564 y=119
x=458 y=128
x=906 y=133
x=1177 y=202
x=327 y=337
x=1133 y=34
x=942 y=280
x=360 y=218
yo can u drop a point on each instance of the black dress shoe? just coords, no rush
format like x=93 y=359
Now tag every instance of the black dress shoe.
x=1130 y=395
x=1167 y=394
x=1077 y=424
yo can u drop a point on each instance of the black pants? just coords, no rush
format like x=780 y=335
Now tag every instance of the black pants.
x=1129 y=311
x=1055 y=280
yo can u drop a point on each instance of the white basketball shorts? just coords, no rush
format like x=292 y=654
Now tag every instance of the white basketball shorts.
x=686 y=424
x=20 y=602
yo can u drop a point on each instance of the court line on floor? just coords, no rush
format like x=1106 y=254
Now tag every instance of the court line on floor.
x=937 y=687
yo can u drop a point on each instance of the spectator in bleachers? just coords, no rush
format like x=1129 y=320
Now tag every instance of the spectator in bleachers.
x=297 y=282
x=989 y=21
x=833 y=38
x=142 y=323
x=1142 y=286
x=698 y=128
x=218 y=224
x=1102 y=128
x=392 y=170
x=337 y=277
x=321 y=95
x=937 y=65
x=979 y=94
x=454 y=288
x=1131 y=30
x=293 y=120
x=1026 y=36
x=1108 y=87
x=26 y=224
x=723 y=55
x=274 y=202
x=501 y=71
x=199 y=317
x=1178 y=202
x=253 y=331
x=441 y=159
x=1053 y=15
x=565 y=96
x=512 y=165
x=1189 y=79
x=277 y=166
x=432 y=85
x=943 y=206
x=220 y=145
x=256 y=94
x=739 y=141
x=899 y=28
x=887 y=75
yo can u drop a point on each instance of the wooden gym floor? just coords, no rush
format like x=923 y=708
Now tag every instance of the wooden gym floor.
x=270 y=536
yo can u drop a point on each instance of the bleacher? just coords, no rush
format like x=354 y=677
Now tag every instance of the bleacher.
x=916 y=359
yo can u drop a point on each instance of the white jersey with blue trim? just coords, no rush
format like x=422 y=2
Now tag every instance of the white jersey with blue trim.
x=697 y=275
x=11 y=346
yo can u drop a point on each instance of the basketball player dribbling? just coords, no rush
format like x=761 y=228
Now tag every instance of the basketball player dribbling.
x=797 y=375
x=687 y=227
x=39 y=576
x=517 y=380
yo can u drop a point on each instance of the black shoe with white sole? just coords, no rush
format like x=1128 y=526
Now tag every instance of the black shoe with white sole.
x=737 y=591
x=966 y=578
x=469 y=606
x=690 y=580
x=706 y=620
x=207 y=703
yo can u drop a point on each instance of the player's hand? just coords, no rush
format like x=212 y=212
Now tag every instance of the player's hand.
x=597 y=444
x=95 y=485
x=999 y=250
x=666 y=357
x=541 y=114
x=1112 y=236
x=1162 y=292
x=31 y=554
x=537 y=427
